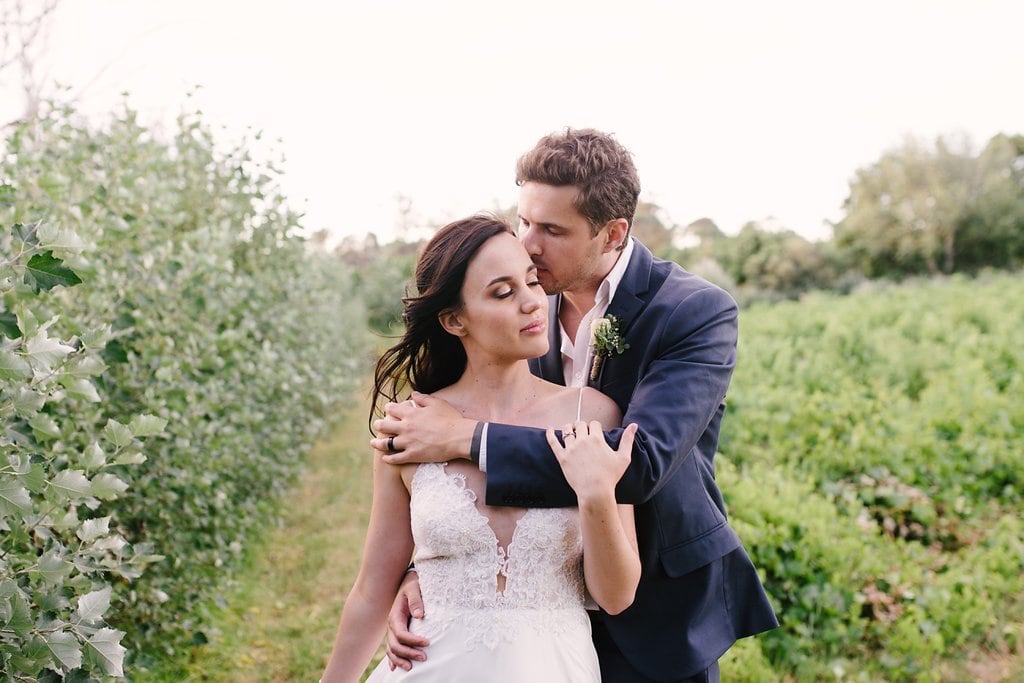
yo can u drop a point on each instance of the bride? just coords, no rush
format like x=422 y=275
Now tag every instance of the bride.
x=503 y=588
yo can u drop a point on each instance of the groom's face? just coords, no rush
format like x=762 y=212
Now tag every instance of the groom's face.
x=559 y=238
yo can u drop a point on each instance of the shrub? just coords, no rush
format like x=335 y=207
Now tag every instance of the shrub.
x=219 y=321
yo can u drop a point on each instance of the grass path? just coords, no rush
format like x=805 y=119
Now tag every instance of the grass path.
x=280 y=620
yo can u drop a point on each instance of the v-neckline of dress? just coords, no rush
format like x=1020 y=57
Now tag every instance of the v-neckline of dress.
x=502 y=553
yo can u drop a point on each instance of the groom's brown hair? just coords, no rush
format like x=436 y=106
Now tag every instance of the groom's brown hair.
x=595 y=163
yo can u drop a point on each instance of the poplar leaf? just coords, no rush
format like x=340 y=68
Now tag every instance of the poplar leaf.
x=18 y=617
x=67 y=521
x=106 y=486
x=71 y=483
x=27 y=323
x=52 y=567
x=13 y=366
x=94 y=528
x=44 y=425
x=43 y=353
x=22 y=464
x=96 y=337
x=65 y=649
x=14 y=498
x=86 y=366
x=91 y=606
x=118 y=434
x=52 y=236
x=34 y=477
x=83 y=389
x=147 y=425
x=130 y=458
x=105 y=644
x=45 y=271
x=28 y=402
x=113 y=542
x=93 y=456
x=9 y=325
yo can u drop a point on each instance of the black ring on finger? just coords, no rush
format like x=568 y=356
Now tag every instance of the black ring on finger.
x=391 y=444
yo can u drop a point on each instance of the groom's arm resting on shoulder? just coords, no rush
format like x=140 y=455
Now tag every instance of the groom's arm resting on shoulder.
x=674 y=401
x=425 y=429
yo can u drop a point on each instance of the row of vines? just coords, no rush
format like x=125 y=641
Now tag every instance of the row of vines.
x=169 y=349
x=873 y=462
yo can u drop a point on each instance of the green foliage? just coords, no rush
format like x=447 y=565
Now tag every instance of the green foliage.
x=758 y=263
x=203 y=320
x=872 y=464
x=61 y=472
x=781 y=262
x=382 y=277
x=936 y=208
x=921 y=209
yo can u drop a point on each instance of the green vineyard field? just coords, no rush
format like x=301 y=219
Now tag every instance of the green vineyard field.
x=873 y=463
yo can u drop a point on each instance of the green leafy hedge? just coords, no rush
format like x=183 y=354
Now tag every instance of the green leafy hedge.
x=202 y=323
x=873 y=461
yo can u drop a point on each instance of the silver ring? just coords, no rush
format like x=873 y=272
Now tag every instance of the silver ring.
x=391 y=444
x=566 y=435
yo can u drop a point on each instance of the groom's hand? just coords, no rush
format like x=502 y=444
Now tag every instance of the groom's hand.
x=422 y=429
x=403 y=645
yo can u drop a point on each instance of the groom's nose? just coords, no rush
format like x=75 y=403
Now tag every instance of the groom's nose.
x=530 y=242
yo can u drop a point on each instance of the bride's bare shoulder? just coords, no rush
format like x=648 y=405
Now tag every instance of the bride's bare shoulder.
x=598 y=406
x=562 y=403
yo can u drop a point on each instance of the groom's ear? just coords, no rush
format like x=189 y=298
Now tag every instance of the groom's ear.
x=617 y=232
x=451 y=322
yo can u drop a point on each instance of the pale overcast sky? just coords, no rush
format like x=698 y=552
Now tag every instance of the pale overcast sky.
x=734 y=110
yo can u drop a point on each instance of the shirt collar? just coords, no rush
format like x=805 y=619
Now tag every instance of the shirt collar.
x=610 y=284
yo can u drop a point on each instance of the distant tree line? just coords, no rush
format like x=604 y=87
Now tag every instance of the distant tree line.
x=921 y=209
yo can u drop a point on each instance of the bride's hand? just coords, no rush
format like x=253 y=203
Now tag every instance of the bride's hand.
x=589 y=464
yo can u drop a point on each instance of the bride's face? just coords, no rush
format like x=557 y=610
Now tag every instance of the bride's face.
x=504 y=311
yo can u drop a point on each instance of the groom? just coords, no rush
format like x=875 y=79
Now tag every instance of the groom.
x=699 y=591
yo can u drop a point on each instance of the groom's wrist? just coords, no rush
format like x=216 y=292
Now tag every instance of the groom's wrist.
x=474 y=445
x=478 y=446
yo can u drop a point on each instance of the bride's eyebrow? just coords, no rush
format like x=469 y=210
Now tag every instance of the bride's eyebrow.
x=500 y=278
x=506 y=278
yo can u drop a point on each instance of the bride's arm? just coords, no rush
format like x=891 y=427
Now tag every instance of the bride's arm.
x=386 y=554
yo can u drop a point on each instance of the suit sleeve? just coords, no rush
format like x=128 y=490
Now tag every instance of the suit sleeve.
x=679 y=393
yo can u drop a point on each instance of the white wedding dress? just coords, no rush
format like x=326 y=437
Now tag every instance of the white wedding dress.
x=534 y=630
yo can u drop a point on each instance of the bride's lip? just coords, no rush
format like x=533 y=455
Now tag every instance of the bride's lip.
x=535 y=327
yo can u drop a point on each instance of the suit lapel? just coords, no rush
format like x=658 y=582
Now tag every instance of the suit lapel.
x=629 y=298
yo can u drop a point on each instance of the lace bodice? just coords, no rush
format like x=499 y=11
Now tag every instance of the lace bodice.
x=462 y=564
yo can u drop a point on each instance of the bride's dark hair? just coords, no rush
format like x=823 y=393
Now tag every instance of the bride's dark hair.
x=428 y=358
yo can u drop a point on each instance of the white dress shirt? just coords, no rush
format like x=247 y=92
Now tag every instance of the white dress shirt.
x=575 y=368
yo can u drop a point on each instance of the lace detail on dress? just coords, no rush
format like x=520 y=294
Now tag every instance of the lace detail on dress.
x=459 y=559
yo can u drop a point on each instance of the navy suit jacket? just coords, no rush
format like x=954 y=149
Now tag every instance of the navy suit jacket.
x=698 y=591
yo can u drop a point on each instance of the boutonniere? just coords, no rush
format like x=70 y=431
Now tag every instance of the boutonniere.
x=605 y=341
